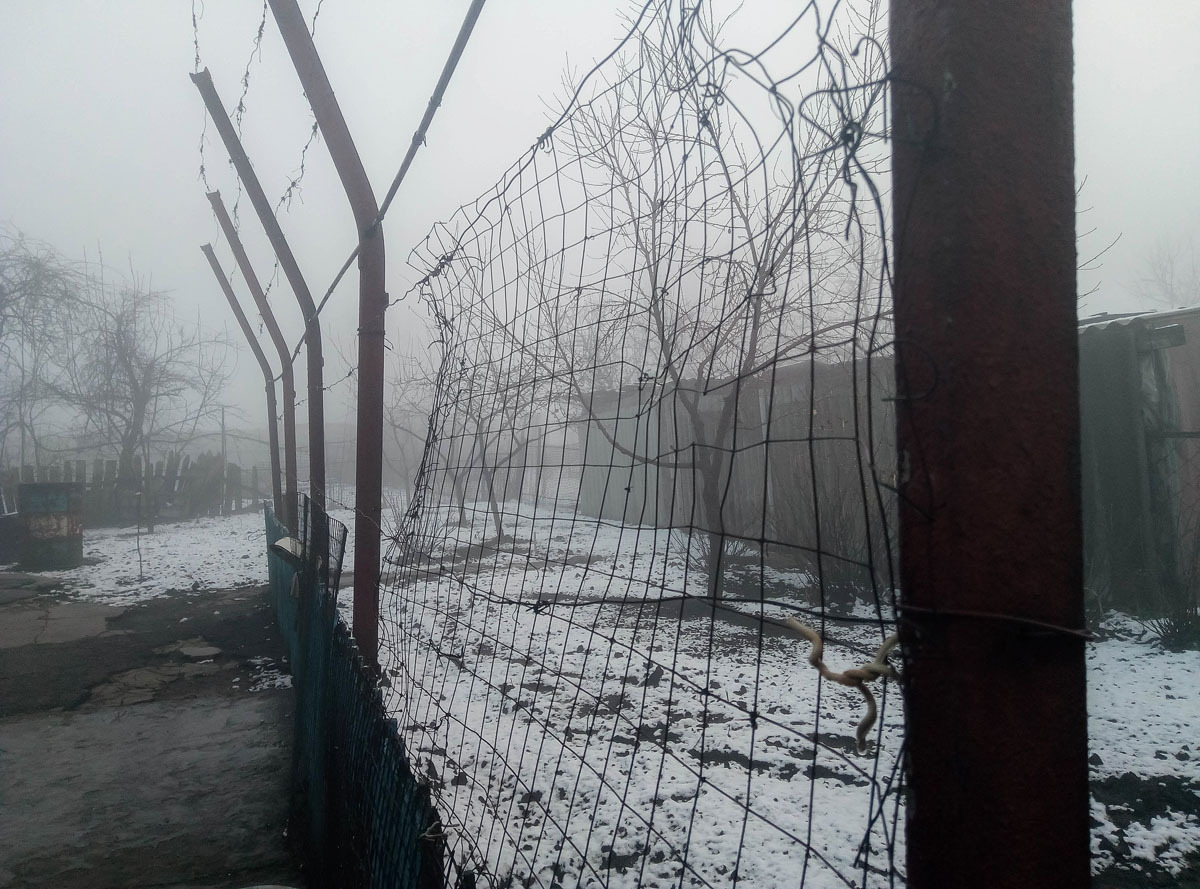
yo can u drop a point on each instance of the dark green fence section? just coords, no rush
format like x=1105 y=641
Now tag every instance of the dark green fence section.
x=386 y=830
x=51 y=525
x=282 y=573
x=359 y=816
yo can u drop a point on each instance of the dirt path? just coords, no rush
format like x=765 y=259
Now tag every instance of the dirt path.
x=144 y=746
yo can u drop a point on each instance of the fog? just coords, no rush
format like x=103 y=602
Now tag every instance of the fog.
x=102 y=131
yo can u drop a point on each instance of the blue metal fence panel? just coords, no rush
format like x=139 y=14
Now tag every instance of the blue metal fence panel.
x=360 y=817
x=282 y=574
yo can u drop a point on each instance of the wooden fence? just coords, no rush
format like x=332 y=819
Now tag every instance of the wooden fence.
x=174 y=488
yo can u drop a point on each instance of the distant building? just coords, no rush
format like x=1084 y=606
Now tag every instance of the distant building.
x=796 y=443
x=1140 y=395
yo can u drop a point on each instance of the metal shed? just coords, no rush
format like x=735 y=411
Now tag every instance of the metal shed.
x=1140 y=426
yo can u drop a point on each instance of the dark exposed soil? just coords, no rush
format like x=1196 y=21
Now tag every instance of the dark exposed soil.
x=135 y=752
x=1132 y=799
x=241 y=623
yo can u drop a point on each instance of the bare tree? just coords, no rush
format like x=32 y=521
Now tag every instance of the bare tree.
x=37 y=290
x=406 y=416
x=1170 y=276
x=91 y=363
x=502 y=424
x=499 y=413
x=140 y=380
x=655 y=270
x=724 y=258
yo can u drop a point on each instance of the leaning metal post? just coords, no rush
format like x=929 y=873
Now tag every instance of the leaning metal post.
x=268 y=376
x=312 y=324
x=988 y=434
x=372 y=305
x=288 y=516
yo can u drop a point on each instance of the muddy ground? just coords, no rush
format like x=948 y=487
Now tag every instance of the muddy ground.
x=142 y=746
x=149 y=746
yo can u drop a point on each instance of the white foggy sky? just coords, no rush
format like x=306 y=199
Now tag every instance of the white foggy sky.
x=99 y=127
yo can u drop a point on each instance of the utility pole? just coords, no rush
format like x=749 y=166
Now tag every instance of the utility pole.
x=991 y=614
x=372 y=305
x=268 y=376
x=288 y=515
x=291 y=270
x=224 y=466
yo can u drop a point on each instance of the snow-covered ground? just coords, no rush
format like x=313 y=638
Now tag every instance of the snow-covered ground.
x=611 y=742
x=1143 y=721
x=581 y=725
x=124 y=566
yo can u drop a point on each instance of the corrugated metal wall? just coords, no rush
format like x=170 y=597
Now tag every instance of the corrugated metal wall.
x=1140 y=406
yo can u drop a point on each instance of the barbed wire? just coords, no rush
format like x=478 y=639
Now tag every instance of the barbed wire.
x=294 y=183
x=417 y=141
x=240 y=109
x=202 y=175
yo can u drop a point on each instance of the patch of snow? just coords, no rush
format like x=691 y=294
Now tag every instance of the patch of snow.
x=520 y=685
x=211 y=553
x=1165 y=840
x=545 y=667
x=270 y=678
x=1144 y=708
x=575 y=731
x=1102 y=830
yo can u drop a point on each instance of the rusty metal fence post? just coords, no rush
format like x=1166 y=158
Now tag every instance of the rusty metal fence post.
x=286 y=374
x=990 y=541
x=268 y=376
x=372 y=306
x=291 y=270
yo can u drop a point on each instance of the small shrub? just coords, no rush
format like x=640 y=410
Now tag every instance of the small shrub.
x=695 y=547
x=1179 y=629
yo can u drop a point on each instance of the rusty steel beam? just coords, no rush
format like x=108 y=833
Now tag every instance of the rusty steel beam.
x=988 y=435
x=312 y=324
x=287 y=375
x=372 y=306
x=268 y=374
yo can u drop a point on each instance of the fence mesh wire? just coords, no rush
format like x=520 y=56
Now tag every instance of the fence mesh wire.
x=314 y=521
x=659 y=430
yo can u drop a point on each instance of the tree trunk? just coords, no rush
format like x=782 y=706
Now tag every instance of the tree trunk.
x=715 y=566
x=490 y=478
x=714 y=468
x=460 y=491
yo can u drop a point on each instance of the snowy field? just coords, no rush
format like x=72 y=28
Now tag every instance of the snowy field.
x=124 y=566
x=581 y=731
x=588 y=728
x=598 y=742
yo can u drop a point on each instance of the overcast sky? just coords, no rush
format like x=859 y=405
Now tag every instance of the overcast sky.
x=100 y=128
